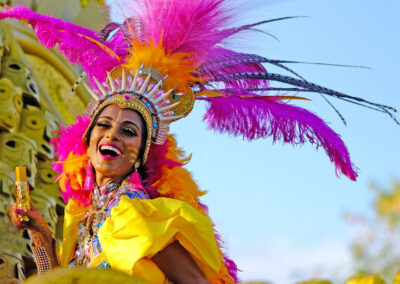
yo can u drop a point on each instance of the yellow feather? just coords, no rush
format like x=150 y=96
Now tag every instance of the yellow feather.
x=74 y=171
x=179 y=66
x=177 y=182
x=210 y=94
x=279 y=98
x=103 y=47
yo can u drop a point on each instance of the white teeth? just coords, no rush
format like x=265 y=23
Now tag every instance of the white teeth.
x=107 y=147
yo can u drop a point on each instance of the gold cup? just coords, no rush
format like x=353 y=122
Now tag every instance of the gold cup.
x=22 y=197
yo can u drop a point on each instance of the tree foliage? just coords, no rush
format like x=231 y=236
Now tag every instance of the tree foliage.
x=377 y=248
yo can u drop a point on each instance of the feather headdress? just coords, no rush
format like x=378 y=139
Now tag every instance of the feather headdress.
x=172 y=52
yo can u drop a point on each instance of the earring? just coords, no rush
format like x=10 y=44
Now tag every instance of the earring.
x=135 y=177
x=89 y=179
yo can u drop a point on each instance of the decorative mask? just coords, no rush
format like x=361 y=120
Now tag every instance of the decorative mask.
x=11 y=266
x=16 y=149
x=45 y=180
x=46 y=205
x=40 y=127
x=21 y=75
x=33 y=124
x=10 y=105
x=7 y=179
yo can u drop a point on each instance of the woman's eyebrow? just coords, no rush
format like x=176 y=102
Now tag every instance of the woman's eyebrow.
x=106 y=116
x=131 y=122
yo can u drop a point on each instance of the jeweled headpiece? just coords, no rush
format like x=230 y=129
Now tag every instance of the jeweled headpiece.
x=145 y=96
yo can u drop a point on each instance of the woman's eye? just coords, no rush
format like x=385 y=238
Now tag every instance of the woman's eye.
x=102 y=124
x=129 y=131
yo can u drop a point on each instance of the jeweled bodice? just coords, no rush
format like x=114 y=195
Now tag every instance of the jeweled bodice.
x=104 y=199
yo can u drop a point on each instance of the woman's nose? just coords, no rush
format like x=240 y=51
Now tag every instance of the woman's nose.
x=112 y=133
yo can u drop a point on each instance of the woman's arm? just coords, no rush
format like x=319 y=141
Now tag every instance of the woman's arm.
x=178 y=265
x=43 y=245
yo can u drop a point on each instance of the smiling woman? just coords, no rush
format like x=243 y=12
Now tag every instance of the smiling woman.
x=114 y=144
x=115 y=151
x=132 y=206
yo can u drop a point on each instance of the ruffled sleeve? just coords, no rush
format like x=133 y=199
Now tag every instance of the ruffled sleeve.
x=73 y=213
x=138 y=229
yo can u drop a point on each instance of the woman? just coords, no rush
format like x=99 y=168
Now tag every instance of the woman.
x=115 y=148
x=131 y=204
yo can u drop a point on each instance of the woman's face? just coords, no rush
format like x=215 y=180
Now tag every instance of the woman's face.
x=115 y=143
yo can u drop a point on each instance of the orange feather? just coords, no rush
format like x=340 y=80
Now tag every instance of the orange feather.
x=179 y=66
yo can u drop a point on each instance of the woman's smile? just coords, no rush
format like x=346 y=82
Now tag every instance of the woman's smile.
x=109 y=151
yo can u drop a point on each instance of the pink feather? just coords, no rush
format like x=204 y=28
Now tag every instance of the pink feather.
x=156 y=160
x=70 y=140
x=193 y=26
x=69 y=39
x=84 y=197
x=257 y=117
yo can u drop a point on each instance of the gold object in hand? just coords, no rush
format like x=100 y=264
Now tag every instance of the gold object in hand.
x=22 y=196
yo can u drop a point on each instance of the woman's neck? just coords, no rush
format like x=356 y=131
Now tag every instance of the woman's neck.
x=102 y=180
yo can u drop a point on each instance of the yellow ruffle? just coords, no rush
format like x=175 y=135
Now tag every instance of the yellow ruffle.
x=73 y=214
x=80 y=275
x=138 y=229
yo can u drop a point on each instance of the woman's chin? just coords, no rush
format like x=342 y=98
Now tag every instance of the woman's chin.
x=114 y=169
x=109 y=157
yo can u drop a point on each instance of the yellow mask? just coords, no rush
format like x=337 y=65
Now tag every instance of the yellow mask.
x=10 y=105
x=16 y=149
x=21 y=76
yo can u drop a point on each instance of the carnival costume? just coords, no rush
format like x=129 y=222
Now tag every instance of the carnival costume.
x=170 y=54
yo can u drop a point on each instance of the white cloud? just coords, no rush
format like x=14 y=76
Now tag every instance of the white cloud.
x=280 y=260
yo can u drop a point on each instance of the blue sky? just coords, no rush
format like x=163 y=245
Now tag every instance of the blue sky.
x=280 y=207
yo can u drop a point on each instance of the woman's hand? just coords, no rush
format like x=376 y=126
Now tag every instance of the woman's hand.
x=37 y=229
x=36 y=224
x=13 y=281
x=178 y=265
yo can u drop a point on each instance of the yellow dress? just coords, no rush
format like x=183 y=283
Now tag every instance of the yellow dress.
x=138 y=229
